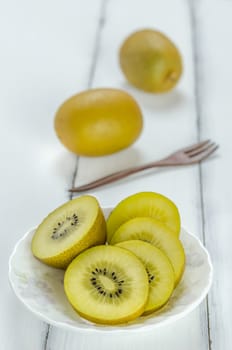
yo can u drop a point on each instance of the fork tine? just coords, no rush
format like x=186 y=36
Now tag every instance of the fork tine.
x=205 y=154
x=196 y=146
x=201 y=149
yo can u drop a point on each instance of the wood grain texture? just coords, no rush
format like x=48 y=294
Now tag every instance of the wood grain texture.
x=176 y=336
x=170 y=122
x=46 y=56
x=51 y=50
x=215 y=109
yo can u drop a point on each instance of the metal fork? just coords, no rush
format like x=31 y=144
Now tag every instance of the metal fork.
x=185 y=156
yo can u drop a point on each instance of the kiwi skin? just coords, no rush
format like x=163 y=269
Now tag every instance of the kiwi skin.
x=125 y=319
x=63 y=259
x=135 y=315
x=150 y=61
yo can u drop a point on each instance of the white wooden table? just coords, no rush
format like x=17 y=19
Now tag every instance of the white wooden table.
x=53 y=49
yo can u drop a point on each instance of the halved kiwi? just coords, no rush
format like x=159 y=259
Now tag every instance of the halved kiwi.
x=155 y=232
x=107 y=284
x=144 y=204
x=159 y=270
x=68 y=230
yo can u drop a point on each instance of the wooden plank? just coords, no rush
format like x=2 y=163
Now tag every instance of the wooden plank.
x=46 y=56
x=213 y=31
x=173 y=336
x=170 y=122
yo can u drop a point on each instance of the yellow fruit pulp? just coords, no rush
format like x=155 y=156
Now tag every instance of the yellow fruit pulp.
x=98 y=122
x=144 y=204
x=152 y=231
x=150 y=61
x=107 y=284
x=68 y=230
x=159 y=270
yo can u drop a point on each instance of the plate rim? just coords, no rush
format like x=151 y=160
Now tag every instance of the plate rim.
x=108 y=329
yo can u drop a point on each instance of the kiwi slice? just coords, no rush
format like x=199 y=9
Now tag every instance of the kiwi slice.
x=107 y=284
x=144 y=204
x=153 y=231
x=68 y=230
x=159 y=269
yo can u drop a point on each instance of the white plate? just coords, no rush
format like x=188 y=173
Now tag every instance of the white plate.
x=40 y=289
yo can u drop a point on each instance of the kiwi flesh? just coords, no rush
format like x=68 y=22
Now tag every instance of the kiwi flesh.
x=107 y=284
x=68 y=230
x=159 y=269
x=155 y=232
x=144 y=204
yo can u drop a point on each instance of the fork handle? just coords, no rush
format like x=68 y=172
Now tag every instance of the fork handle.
x=121 y=174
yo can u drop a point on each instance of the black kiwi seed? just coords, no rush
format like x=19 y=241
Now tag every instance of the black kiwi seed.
x=150 y=276
x=100 y=288
x=58 y=232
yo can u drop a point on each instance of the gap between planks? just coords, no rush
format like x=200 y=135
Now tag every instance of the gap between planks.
x=196 y=47
x=101 y=22
x=192 y=4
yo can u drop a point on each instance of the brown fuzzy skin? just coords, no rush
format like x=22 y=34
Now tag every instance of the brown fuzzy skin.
x=95 y=236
